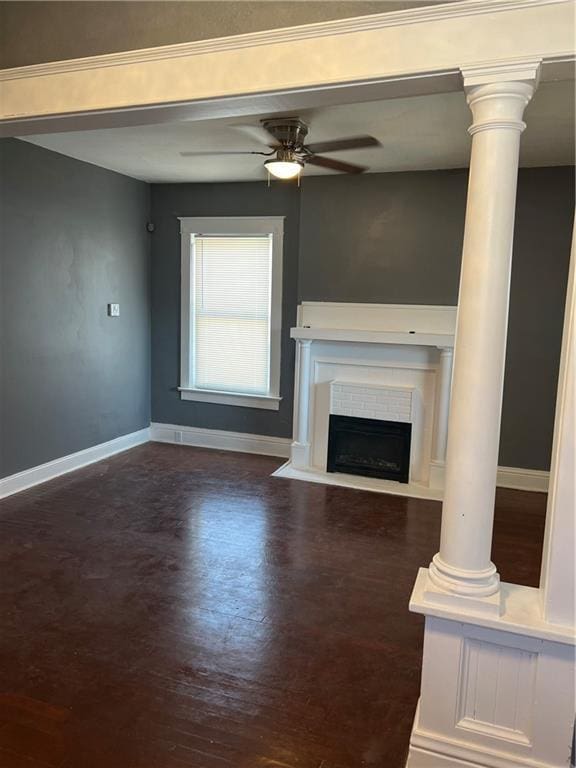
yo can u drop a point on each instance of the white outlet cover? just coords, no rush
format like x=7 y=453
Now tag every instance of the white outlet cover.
x=114 y=310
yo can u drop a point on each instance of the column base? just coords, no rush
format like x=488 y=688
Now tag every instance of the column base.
x=300 y=455
x=477 y=589
x=487 y=606
x=437 y=473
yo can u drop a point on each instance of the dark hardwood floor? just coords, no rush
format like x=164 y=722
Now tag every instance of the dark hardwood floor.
x=179 y=608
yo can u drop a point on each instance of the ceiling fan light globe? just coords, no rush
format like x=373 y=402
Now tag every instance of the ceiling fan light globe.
x=284 y=169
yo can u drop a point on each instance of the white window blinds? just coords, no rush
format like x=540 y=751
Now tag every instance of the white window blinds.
x=232 y=278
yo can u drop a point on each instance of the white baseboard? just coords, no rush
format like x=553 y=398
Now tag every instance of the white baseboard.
x=516 y=478
x=221 y=440
x=523 y=479
x=421 y=758
x=431 y=750
x=508 y=477
x=40 y=474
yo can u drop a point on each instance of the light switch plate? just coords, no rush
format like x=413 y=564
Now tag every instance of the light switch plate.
x=114 y=310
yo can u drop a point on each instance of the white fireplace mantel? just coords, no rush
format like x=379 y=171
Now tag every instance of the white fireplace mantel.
x=373 y=351
x=440 y=340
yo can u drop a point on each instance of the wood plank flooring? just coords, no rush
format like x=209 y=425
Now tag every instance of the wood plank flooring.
x=179 y=608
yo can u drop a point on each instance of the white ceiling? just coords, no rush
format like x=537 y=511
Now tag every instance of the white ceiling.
x=418 y=133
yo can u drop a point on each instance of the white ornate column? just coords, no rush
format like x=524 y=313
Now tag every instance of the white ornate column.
x=497 y=98
x=498 y=690
x=498 y=675
x=300 y=454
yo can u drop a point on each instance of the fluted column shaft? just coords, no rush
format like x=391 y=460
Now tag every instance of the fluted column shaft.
x=301 y=445
x=442 y=404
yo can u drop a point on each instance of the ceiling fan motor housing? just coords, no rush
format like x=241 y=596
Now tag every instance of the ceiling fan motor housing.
x=288 y=156
x=288 y=131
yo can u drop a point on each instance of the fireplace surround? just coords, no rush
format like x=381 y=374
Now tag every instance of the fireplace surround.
x=372 y=362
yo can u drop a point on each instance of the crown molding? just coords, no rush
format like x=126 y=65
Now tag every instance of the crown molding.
x=278 y=36
x=514 y=70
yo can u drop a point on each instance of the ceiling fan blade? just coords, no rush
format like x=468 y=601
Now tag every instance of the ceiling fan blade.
x=334 y=165
x=214 y=152
x=338 y=145
x=256 y=132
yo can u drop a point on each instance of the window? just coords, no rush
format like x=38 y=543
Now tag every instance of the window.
x=231 y=310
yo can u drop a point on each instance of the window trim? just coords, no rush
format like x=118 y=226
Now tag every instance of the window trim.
x=235 y=225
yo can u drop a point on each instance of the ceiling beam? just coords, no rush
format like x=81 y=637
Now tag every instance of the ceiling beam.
x=404 y=53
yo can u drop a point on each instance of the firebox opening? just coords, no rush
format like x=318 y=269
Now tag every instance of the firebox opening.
x=369 y=447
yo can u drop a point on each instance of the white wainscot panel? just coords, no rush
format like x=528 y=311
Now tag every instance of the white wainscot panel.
x=496 y=690
x=507 y=699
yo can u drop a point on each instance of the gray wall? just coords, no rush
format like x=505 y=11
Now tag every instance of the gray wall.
x=544 y=219
x=246 y=199
x=402 y=244
x=33 y=32
x=72 y=238
x=385 y=238
x=392 y=238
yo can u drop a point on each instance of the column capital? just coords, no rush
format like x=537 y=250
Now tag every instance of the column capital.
x=498 y=93
x=305 y=342
x=492 y=73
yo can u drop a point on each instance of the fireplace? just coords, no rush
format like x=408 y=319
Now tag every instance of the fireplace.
x=369 y=447
x=386 y=367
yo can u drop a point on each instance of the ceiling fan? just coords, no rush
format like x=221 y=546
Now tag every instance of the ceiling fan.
x=289 y=154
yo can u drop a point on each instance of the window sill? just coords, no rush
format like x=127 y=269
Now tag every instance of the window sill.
x=265 y=402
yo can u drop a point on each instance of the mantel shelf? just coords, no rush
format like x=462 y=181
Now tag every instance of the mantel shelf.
x=374 y=337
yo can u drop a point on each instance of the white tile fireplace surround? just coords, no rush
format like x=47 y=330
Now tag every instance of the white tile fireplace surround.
x=379 y=361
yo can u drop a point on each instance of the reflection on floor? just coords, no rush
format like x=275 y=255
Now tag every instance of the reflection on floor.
x=179 y=608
